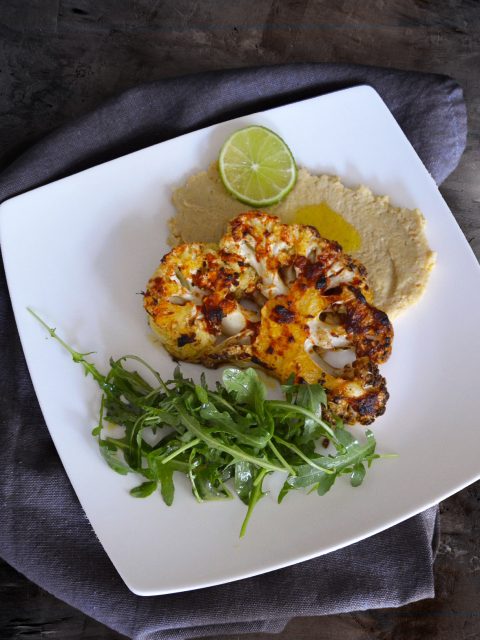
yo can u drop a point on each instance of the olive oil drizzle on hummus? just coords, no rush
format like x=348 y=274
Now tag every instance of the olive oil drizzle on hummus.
x=330 y=225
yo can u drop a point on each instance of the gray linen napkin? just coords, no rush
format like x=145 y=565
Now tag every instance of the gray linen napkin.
x=43 y=530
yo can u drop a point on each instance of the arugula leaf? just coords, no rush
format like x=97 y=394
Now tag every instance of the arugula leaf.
x=143 y=490
x=208 y=482
x=246 y=387
x=325 y=483
x=283 y=410
x=109 y=455
x=255 y=495
x=167 y=487
x=311 y=397
x=243 y=483
x=243 y=428
x=77 y=357
x=358 y=474
x=344 y=437
x=351 y=460
x=193 y=425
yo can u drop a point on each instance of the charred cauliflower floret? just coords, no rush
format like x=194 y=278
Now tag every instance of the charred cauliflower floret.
x=281 y=253
x=192 y=299
x=281 y=297
x=300 y=331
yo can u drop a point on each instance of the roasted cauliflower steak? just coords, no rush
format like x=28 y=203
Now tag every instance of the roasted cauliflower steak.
x=280 y=297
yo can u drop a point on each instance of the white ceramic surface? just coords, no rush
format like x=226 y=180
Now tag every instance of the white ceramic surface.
x=80 y=250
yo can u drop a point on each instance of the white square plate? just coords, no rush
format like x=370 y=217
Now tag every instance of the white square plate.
x=79 y=251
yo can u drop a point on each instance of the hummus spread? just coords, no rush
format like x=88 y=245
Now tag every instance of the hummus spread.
x=392 y=246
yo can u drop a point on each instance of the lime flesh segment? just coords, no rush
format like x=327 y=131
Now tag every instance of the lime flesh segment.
x=257 y=167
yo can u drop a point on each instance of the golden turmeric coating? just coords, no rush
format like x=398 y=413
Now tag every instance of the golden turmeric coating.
x=193 y=297
x=281 y=297
x=299 y=330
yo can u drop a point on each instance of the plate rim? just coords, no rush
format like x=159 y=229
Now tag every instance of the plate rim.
x=305 y=557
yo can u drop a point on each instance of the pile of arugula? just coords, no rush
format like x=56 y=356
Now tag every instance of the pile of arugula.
x=233 y=433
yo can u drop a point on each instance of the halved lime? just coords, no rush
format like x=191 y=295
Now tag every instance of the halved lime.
x=257 y=167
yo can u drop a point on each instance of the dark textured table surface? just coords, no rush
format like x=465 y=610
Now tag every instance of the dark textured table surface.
x=60 y=58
